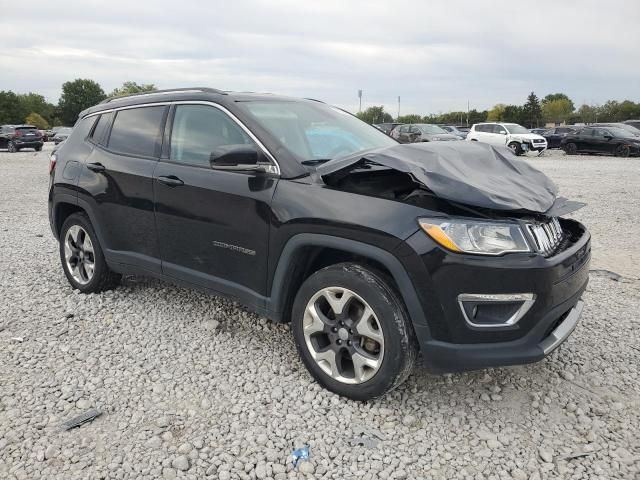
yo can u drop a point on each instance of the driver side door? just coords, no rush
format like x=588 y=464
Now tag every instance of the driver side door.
x=213 y=225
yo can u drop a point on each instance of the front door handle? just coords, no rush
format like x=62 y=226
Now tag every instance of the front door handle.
x=96 y=167
x=170 y=180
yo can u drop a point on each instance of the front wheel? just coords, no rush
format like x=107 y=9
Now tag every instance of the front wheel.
x=515 y=148
x=38 y=149
x=82 y=258
x=11 y=147
x=352 y=332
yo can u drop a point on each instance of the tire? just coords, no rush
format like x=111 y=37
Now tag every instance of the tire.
x=86 y=253
x=11 y=147
x=515 y=148
x=622 y=151
x=570 y=148
x=383 y=343
x=38 y=149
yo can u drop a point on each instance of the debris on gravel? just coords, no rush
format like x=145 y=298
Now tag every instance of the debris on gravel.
x=193 y=386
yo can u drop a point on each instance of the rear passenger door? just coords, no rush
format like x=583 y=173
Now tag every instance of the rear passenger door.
x=213 y=225
x=116 y=185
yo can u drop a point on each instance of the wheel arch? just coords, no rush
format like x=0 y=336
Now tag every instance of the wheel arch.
x=307 y=253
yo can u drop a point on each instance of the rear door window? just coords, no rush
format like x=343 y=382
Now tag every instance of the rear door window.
x=137 y=131
x=103 y=124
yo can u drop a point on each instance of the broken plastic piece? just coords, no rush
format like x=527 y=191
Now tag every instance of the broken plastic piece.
x=81 y=419
x=300 y=454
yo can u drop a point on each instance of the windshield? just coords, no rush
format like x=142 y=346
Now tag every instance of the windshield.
x=432 y=129
x=316 y=131
x=515 y=128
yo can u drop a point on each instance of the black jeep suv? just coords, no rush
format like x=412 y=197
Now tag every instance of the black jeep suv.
x=16 y=137
x=307 y=215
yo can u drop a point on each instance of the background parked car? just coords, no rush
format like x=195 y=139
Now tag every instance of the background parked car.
x=421 y=132
x=512 y=135
x=16 y=137
x=538 y=131
x=386 y=127
x=61 y=135
x=453 y=130
x=629 y=128
x=554 y=135
x=611 y=140
x=633 y=123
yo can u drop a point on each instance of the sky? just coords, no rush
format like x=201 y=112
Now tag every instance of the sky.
x=436 y=56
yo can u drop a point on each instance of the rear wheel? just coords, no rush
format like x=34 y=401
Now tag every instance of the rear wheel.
x=352 y=332
x=11 y=147
x=622 y=151
x=570 y=148
x=82 y=258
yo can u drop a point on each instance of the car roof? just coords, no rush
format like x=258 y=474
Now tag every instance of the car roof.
x=186 y=94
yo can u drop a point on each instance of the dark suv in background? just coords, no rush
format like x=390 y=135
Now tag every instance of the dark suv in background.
x=16 y=137
x=307 y=215
x=611 y=140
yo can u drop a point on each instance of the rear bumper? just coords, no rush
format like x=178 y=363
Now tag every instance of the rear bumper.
x=28 y=144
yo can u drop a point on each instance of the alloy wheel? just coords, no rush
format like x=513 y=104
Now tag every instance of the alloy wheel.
x=11 y=147
x=79 y=254
x=343 y=335
x=622 y=151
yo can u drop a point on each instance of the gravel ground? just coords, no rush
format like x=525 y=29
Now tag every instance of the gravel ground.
x=192 y=386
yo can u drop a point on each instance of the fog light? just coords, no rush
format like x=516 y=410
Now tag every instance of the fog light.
x=494 y=310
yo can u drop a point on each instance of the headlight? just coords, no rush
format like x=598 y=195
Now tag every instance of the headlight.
x=483 y=238
x=436 y=138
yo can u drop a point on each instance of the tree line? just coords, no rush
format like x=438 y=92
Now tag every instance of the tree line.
x=77 y=95
x=555 y=108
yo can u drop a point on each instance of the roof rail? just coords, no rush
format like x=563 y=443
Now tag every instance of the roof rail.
x=167 y=92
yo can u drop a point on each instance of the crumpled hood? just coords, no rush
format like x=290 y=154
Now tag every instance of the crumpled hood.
x=471 y=173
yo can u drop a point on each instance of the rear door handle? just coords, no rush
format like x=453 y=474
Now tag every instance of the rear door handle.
x=170 y=180
x=96 y=167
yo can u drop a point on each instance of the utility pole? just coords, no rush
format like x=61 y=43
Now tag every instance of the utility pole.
x=398 y=107
x=467 y=113
x=360 y=100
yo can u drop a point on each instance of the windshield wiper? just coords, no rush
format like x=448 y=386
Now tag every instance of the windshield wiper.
x=315 y=161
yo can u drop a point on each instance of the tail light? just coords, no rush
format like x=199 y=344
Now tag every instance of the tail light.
x=52 y=162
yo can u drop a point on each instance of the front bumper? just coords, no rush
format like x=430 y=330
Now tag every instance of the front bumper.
x=450 y=343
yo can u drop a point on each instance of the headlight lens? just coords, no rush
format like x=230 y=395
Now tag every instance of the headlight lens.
x=483 y=238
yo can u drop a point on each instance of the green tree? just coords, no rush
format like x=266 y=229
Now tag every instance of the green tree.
x=532 y=111
x=11 y=110
x=558 y=96
x=514 y=114
x=411 y=118
x=77 y=96
x=557 y=111
x=375 y=115
x=496 y=114
x=36 y=120
x=129 y=88
x=35 y=103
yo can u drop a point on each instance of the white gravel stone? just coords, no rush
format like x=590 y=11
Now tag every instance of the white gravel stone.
x=181 y=463
x=150 y=358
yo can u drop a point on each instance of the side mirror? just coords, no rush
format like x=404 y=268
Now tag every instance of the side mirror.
x=608 y=137
x=236 y=158
x=503 y=132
